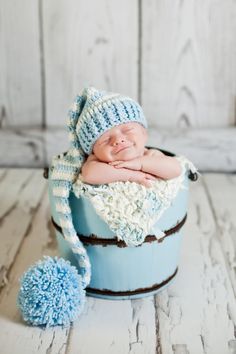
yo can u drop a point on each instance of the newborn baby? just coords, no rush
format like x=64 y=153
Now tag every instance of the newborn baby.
x=119 y=154
x=108 y=133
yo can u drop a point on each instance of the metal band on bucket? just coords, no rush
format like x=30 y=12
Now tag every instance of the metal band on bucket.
x=95 y=240
x=131 y=292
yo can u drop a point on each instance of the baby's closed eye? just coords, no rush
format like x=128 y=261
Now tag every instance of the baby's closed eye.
x=105 y=141
x=128 y=129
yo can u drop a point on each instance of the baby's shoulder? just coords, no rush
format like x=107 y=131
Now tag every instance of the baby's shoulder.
x=153 y=152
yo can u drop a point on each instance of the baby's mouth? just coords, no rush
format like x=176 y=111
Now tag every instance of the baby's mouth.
x=121 y=148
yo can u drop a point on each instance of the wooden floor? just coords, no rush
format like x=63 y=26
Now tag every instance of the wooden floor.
x=196 y=314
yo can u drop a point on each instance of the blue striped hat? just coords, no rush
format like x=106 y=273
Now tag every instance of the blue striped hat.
x=94 y=112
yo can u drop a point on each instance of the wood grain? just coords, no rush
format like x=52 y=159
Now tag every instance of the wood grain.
x=195 y=314
x=176 y=57
x=221 y=188
x=88 y=43
x=19 y=201
x=188 y=63
x=22 y=147
x=116 y=327
x=20 y=80
x=16 y=336
x=209 y=149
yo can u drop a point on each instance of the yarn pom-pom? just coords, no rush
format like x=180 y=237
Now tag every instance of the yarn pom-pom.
x=51 y=293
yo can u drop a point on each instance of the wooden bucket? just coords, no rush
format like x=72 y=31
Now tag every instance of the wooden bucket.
x=119 y=271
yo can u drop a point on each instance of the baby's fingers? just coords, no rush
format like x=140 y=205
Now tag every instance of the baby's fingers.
x=115 y=163
x=146 y=183
x=120 y=164
x=150 y=177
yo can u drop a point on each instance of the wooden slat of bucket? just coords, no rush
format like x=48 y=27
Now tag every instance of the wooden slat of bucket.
x=222 y=197
x=16 y=336
x=20 y=193
x=197 y=314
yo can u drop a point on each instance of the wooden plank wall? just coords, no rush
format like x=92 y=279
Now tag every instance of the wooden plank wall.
x=188 y=62
x=20 y=64
x=176 y=57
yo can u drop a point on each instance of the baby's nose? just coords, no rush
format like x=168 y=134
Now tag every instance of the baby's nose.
x=118 y=140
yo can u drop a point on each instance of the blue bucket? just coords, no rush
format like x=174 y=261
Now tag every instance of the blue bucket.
x=119 y=271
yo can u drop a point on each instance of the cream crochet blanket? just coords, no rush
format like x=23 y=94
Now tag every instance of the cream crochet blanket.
x=130 y=209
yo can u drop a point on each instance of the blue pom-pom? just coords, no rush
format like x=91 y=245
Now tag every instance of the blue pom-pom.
x=51 y=293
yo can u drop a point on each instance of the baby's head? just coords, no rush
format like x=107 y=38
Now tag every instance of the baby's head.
x=123 y=142
x=99 y=115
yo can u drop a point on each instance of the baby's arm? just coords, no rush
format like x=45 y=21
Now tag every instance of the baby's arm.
x=153 y=162
x=97 y=172
x=160 y=165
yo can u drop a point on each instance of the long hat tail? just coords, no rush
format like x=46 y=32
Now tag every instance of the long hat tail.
x=66 y=168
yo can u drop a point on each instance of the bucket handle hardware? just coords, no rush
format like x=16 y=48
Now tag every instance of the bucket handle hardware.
x=193 y=176
x=45 y=172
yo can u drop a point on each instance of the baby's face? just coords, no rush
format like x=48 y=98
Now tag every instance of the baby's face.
x=123 y=142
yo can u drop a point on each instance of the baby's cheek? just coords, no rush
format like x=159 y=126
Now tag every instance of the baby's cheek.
x=107 y=155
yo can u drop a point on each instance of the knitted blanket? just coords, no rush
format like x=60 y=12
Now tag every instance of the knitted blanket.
x=130 y=209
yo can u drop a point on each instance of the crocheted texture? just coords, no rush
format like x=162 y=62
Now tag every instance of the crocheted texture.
x=93 y=112
x=66 y=168
x=51 y=293
x=100 y=111
x=130 y=209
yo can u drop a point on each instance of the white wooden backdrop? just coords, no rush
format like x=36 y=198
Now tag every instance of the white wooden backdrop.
x=176 y=57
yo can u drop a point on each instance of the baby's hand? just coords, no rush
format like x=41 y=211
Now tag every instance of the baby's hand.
x=142 y=178
x=134 y=164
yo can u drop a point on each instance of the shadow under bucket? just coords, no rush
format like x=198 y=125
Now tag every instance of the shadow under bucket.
x=120 y=271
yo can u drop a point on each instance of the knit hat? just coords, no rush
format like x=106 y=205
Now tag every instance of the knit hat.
x=93 y=112
x=99 y=111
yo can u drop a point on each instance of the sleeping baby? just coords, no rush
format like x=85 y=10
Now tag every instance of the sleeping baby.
x=108 y=133
x=119 y=154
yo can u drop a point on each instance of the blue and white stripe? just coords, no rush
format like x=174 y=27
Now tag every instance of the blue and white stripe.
x=91 y=114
